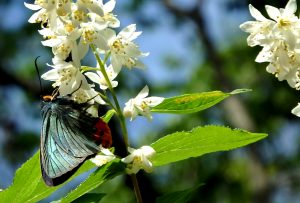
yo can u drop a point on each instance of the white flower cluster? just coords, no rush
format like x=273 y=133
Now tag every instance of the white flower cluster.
x=103 y=158
x=139 y=159
x=71 y=28
x=280 y=38
x=136 y=160
x=141 y=105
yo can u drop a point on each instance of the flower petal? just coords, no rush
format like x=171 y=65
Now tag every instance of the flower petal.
x=33 y=7
x=153 y=101
x=109 y=6
x=291 y=7
x=93 y=77
x=296 y=110
x=51 y=42
x=51 y=75
x=36 y=16
x=273 y=12
x=256 y=13
x=148 y=151
x=143 y=93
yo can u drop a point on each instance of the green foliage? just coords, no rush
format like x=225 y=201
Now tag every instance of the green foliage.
x=28 y=185
x=191 y=103
x=201 y=140
x=179 y=196
x=101 y=175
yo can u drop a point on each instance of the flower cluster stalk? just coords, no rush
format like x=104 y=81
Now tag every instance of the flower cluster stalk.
x=122 y=122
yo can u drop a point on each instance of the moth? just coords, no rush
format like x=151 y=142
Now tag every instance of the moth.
x=69 y=136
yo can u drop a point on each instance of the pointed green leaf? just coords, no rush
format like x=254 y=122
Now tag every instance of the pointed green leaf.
x=179 y=196
x=28 y=185
x=100 y=176
x=191 y=103
x=109 y=114
x=202 y=140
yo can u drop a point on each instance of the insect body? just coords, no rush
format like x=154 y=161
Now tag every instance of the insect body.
x=69 y=136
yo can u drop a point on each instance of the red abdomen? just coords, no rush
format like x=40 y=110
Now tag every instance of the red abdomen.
x=102 y=134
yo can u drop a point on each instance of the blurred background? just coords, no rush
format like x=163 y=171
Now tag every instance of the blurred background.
x=194 y=45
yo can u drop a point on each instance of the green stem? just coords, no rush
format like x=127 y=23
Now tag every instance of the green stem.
x=87 y=68
x=118 y=108
x=107 y=101
x=121 y=117
x=136 y=188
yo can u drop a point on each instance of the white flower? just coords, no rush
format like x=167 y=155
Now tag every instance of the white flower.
x=107 y=19
x=139 y=159
x=66 y=76
x=287 y=24
x=260 y=30
x=48 y=12
x=284 y=25
x=83 y=95
x=91 y=34
x=71 y=81
x=282 y=62
x=90 y=14
x=124 y=52
x=99 y=78
x=44 y=12
x=95 y=6
x=280 y=39
x=284 y=17
x=103 y=158
x=64 y=42
x=141 y=105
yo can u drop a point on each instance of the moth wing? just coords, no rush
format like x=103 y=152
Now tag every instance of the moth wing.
x=66 y=141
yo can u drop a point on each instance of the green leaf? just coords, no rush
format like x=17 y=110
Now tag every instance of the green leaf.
x=191 y=103
x=100 y=176
x=89 y=198
x=202 y=140
x=109 y=114
x=179 y=196
x=28 y=185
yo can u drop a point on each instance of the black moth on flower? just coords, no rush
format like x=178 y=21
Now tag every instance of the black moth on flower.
x=69 y=136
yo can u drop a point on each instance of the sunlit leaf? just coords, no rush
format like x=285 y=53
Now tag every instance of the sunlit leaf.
x=191 y=103
x=28 y=185
x=100 y=176
x=201 y=140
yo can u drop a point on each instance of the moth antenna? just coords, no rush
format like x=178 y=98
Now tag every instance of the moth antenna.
x=90 y=99
x=39 y=76
x=55 y=93
x=77 y=88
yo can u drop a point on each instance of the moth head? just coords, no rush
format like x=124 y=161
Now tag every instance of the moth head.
x=48 y=98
